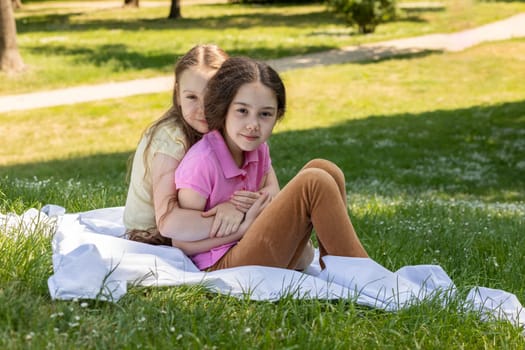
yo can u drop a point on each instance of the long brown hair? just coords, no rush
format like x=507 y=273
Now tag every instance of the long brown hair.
x=207 y=56
x=224 y=85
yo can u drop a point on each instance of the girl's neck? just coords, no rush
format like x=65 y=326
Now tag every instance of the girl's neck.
x=238 y=158
x=235 y=151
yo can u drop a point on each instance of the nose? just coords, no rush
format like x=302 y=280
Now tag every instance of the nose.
x=253 y=124
x=199 y=111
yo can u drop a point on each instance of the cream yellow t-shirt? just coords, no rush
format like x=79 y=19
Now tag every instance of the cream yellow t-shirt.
x=139 y=213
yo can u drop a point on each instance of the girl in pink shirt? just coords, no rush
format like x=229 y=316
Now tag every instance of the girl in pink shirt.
x=151 y=213
x=243 y=101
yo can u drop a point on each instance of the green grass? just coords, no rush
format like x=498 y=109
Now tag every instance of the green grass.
x=432 y=147
x=67 y=45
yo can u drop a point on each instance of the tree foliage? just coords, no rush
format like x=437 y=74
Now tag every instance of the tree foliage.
x=366 y=14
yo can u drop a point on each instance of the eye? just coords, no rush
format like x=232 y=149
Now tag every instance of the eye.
x=266 y=115
x=191 y=97
x=242 y=110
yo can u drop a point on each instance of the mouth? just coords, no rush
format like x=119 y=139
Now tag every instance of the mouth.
x=250 y=137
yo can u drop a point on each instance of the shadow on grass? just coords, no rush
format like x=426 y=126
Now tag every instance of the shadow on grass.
x=120 y=57
x=474 y=151
x=260 y=18
x=110 y=167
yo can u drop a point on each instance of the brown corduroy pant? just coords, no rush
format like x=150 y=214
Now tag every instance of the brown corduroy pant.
x=314 y=199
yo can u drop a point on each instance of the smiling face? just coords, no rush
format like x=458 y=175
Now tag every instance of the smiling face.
x=190 y=96
x=250 y=119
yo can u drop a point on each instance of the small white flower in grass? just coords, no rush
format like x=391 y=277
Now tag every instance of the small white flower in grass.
x=30 y=336
x=73 y=324
x=84 y=304
x=247 y=330
x=172 y=329
x=142 y=319
x=494 y=261
x=179 y=337
x=77 y=318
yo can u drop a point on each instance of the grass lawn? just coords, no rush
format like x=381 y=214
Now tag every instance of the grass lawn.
x=433 y=151
x=69 y=43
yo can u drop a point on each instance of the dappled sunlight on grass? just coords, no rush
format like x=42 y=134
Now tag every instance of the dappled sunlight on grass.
x=89 y=46
x=327 y=96
x=79 y=130
x=459 y=132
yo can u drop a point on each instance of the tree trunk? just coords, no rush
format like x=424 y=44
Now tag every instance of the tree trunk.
x=175 y=9
x=131 y=3
x=16 y=4
x=10 y=59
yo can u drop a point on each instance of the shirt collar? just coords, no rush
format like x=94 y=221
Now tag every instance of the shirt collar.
x=229 y=167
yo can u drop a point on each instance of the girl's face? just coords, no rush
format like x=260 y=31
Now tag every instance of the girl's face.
x=250 y=119
x=190 y=96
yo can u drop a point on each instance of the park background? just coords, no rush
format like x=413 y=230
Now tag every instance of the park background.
x=432 y=145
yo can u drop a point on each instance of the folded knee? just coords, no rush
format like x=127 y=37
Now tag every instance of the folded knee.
x=317 y=177
x=328 y=166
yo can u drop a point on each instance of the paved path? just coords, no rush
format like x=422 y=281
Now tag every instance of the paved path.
x=512 y=27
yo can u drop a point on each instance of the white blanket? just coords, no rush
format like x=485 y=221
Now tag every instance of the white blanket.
x=91 y=259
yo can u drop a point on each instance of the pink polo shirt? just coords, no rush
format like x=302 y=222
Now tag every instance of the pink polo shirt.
x=208 y=168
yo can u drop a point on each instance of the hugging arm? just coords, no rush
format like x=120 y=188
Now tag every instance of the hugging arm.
x=193 y=200
x=194 y=247
x=173 y=221
x=187 y=222
x=243 y=200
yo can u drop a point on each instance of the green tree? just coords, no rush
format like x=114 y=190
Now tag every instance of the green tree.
x=366 y=14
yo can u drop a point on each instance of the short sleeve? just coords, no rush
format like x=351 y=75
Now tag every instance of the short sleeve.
x=169 y=140
x=194 y=172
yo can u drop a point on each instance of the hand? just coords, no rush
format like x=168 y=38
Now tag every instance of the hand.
x=258 y=206
x=227 y=219
x=243 y=200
